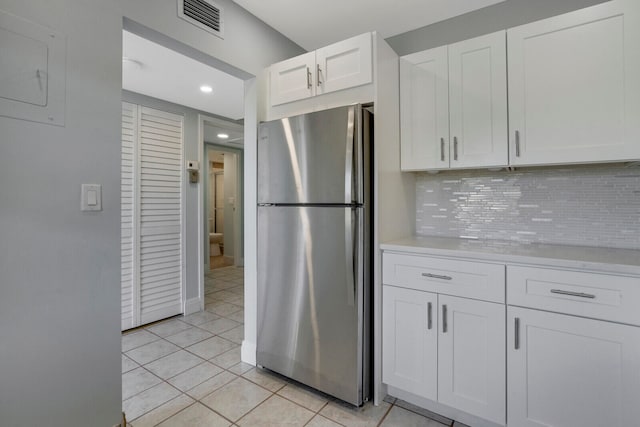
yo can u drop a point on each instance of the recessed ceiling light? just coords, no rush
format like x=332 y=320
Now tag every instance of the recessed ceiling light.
x=223 y=136
x=206 y=89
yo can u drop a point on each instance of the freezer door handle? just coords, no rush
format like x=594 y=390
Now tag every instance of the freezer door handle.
x=348 y=161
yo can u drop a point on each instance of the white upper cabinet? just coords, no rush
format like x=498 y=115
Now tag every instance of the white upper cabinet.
x=342 y=65
x=292 y=79
x=478 y=102
x=574 y=87
x=346 y=64
x=453 y=105
x=424 y=110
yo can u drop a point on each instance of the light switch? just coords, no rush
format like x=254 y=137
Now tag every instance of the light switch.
x=91 y=199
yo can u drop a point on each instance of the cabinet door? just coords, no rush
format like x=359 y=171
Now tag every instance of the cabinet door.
x=345 y=64
x=410 y=340
x=292 y=79
x=471 y=357
x=567 y=371
x=574 y=86
x=424 y=110
x=478 y=102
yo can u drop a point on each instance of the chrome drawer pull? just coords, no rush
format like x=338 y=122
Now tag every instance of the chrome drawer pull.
x=444 y=319
x=573 y=294
x=436 y=276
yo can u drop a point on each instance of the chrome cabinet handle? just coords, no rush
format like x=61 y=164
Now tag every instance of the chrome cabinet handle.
x=442 y=149
x=309 y=84
x=436 y=276
x=444 y=319
x=517 y=143
x=318 y=71
x=455 y=148
x=573 y=294
x=429 y=316
x=517 y=334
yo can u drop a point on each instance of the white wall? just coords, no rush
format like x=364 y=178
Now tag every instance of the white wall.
x=60 y=267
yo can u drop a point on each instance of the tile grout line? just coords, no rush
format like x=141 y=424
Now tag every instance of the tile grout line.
x=386 y=414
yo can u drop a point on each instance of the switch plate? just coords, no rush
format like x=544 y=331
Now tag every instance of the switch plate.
x=91 y=199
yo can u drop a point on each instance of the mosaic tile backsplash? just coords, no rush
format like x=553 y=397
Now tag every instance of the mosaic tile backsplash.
x=580 y=205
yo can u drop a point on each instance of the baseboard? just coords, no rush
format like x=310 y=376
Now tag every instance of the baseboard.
x=440 y=409
x=248 y=352
x=193 y=305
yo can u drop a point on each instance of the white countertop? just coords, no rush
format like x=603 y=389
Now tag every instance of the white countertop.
x=622 y=261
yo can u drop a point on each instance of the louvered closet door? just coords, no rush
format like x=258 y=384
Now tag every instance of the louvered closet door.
x=152 y=227
x=127 y=203
x=160 y=179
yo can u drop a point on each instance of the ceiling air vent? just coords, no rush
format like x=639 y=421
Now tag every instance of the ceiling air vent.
x=202 y=13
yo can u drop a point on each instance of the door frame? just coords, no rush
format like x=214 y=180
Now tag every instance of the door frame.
x=238 y=215
x=203 y=159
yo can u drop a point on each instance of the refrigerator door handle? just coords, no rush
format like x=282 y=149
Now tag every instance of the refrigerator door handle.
x=350 y=242
x=348 y=161
x=359 y=160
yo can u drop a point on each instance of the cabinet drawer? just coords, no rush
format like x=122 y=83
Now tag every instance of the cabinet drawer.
x=445 y=276
x=600 y=296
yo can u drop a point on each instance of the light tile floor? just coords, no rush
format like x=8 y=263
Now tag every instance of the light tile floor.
x=186 y=371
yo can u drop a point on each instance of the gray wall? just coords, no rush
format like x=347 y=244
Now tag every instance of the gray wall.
x=191 y=194
x=248 y=45
x=509 y=13
x=60 y=267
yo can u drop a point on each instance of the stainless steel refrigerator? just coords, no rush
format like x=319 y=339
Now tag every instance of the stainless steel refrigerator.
x=314 y=250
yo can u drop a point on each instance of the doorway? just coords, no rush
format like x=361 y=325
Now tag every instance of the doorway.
x=223 y=194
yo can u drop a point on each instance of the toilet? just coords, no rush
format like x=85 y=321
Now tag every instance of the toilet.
x=215 y=239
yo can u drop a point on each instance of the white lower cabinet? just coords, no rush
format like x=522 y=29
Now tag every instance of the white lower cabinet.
x=566 y=371
x=471 y=357
x=446 y=349
x=410 y=337
x=564 y=351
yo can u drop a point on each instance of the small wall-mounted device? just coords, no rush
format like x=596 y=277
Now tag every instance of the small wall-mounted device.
x=193 y=167
x=91 y=198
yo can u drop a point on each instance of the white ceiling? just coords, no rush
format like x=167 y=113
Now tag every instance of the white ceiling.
x=173 y=77
x=314 y=24
x=211 y=131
